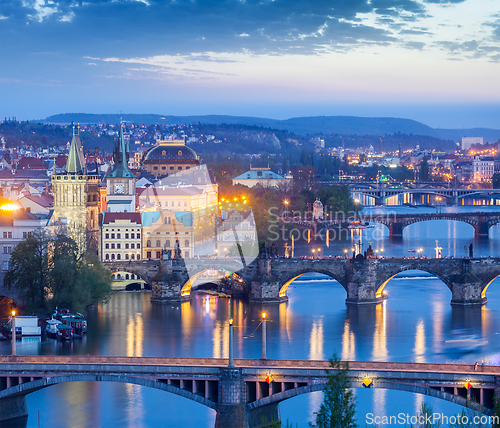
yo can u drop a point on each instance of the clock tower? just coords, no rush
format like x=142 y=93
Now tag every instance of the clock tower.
x=120 y=183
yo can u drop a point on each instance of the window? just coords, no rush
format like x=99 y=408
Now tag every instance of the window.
x=5 y=234
x=132 y=236
x=179 y=153
x=138 y=245
x=158 y=243
x=132 y=257
x=112 y=256
x=186 y=243
x=155 y=168
x=185 y=203
x=126 y=236
x=107 y=256
x=107 y=235
x=107 y=246
x=5 y=250
x=171 y=168
x=126 y=246
x=118 y=236
x=10 y=234
x=118 y=245
x=138 y=236
x=167 y=220
x=25 y=235
x=112 y=236
x=148 y=254
x=163 y=167
x=164 y=153
x=186 y=254
x=118 y=256
x=167 y=243
x=179 y=167
x=148 y=244
x=112 y=246
x=158 y=254
x=132 y=246
x=5 y=265
x=138 y=256
x=126 y=258
x=127 y=276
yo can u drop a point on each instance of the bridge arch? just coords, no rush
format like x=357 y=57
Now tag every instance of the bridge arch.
x=188 y=285
x=488 y=282
x=457 y=399
x=381 y=286
x=296 y=275
x=117 y=273
x=35 y=385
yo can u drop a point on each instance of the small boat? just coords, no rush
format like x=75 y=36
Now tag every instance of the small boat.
x=51 y=327
x=64 y=332
x=356 y=225
x=77 y=322
x=464 y=341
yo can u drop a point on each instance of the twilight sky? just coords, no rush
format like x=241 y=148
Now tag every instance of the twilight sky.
x=436 y=61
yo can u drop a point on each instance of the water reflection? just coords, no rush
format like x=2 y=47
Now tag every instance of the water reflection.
x=348 y=343
x=419 y=349
x=380 y=334
x=316 y=339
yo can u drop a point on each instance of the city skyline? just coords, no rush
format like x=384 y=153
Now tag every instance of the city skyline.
x=433 y=61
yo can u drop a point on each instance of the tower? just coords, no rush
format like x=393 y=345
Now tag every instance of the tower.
x=76 y=197
x=120 y=183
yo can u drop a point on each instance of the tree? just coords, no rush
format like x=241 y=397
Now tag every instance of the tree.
x=338 y=407
x=27 y=271
x=424 y=169
x=495 y=180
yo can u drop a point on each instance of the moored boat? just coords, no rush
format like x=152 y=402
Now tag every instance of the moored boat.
x=64 y=332
x=51 y=327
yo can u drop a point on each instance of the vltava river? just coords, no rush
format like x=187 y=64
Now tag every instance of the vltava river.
x=412 y=325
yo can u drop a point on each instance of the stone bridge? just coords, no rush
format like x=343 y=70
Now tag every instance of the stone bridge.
x=364 y=280
x=481 y=221
x=452 y=194
x=239 y=394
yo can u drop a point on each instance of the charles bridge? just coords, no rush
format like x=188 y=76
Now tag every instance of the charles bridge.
x=240 y=391
x=267 y=279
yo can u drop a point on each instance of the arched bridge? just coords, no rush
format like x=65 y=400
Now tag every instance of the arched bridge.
x=363 y=279
x=240 y=394
x=480 y=221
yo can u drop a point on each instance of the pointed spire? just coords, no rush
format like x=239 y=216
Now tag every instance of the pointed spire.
x=74 y=162
x=120 y=157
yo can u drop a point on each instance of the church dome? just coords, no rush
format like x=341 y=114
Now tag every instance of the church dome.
x=171 y=154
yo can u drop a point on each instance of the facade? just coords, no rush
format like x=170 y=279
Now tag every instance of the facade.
x=263 y=176
x=162 y=230
x=15 y=225
x=483 y=168
x=317 y=209
x=169 y=157
x=468 y=142
x=76 y=196
x=120 y=182
x=121 y=236
x=237 y=227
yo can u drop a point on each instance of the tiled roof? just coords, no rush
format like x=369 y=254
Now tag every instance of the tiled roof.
x=112 y=217
x=259 y=175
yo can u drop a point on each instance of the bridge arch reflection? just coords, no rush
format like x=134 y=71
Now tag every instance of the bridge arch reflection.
x=284 y=287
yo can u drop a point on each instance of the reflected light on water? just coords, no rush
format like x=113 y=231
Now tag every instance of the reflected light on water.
x=316 y=340
x=380 y=334
x=438 y=314
x=348 y=344
x=134 y=407
x=135 y=336
x=220 y=340
x=419 y=349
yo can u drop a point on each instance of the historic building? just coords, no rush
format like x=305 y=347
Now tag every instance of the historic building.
x=120 y=182
x=121 y=236
x=169 y=157
x=263 y=176
x=166 y=230
x=76 y=196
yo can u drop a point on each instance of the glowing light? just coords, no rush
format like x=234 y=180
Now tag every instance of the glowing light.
x=9 y=207
x=13 y=313
x=230 y=321
x=264 y=315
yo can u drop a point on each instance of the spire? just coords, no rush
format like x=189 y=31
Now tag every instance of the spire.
x=74 y=163
x=120 y=157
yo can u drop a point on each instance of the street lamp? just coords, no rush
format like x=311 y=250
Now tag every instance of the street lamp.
x=13 y=326
x=313 y=252
x=264 y=339
x=345 y=253
x=230 y=342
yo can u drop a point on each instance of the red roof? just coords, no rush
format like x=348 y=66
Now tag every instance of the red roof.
x=31 y=163
x=61 y=161
x=112 y=217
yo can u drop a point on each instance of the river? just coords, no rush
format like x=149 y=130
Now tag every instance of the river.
x=411 y=325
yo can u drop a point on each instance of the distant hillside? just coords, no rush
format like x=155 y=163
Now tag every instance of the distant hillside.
x=343 y=125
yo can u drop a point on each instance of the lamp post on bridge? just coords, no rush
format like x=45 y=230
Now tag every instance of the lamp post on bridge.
x=264 y=339
x=230 y=343
x=13 y=326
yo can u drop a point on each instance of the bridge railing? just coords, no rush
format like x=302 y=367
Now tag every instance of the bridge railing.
x=249 y=363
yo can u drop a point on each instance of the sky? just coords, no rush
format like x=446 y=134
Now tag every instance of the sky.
x=435 y=61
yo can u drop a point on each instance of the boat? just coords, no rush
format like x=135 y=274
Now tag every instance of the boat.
x=64 y=332
x=464 y=341
x=77 y=322
x=51 y=327
x=25 y=326
x=356 y=225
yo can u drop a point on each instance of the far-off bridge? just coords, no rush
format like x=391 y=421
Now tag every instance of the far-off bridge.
x=240 y=395
x=267 y=280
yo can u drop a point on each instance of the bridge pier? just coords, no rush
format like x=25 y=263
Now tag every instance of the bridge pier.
x=482 y=229
x=265 y=287
x=466 y=290
x=362 y=282
x=13 y=408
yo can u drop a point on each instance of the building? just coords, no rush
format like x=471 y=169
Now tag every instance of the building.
x=76 y=196
x=263 y=176
x=161 y=231
x=120 y=182
x=15 y=225
x=464 y=170
x=468 y=142
x=121 y=236
x=237 y=227
x=317 y=209
x=169 y=157
x=483 y=168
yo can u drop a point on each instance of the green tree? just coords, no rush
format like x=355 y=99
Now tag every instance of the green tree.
x=338 y=407
x=424 y=169
x=495 y=180
x=27 y=271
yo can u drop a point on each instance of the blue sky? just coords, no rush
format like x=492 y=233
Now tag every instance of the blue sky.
x=436 y=61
